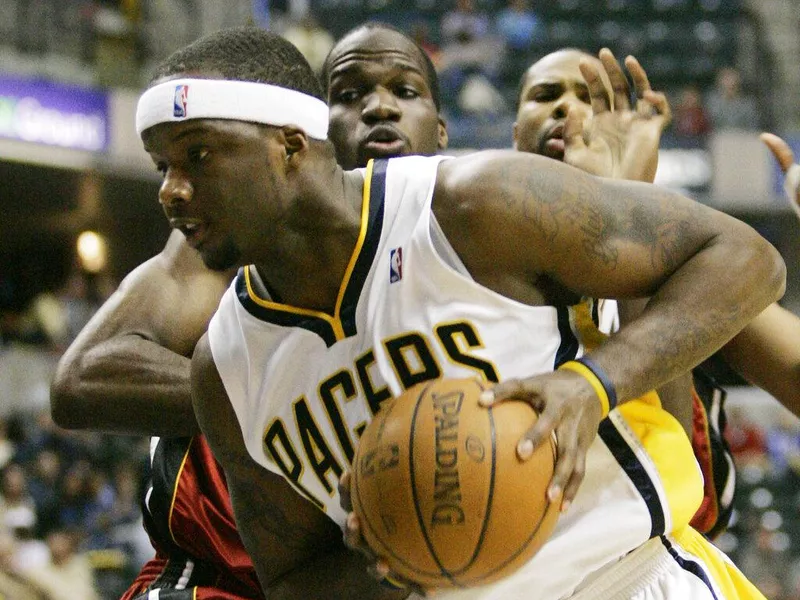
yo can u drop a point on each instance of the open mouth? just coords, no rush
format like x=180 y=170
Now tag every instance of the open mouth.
x=194 y=230
x=553 y=145
x=383 y=141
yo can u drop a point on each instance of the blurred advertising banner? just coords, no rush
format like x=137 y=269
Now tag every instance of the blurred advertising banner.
x=54 y=114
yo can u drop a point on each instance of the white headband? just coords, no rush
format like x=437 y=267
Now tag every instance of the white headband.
x=182 y=99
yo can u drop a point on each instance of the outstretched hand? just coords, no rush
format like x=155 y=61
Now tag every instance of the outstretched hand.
x=620 y=140
x=791 y=170
x=568 y=406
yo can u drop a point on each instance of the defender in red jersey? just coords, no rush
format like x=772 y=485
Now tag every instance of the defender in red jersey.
x=189 y=518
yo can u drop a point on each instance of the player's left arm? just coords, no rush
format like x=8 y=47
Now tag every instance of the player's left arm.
x=296 y=549
x=525 y=226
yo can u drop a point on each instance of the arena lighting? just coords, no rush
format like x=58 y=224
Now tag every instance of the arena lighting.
x=92 y=251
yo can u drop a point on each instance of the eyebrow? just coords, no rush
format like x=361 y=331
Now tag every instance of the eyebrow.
x=196 y=128
x=543 y=85
x=357 y=66
x=557 y=84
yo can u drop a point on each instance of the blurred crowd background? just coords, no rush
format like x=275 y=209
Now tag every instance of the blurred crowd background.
x=78 y=198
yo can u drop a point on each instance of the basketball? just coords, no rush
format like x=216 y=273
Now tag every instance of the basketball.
x=440 y=492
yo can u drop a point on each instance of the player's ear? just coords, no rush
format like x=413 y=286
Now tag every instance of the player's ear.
x=443 y=137
x=295 y=143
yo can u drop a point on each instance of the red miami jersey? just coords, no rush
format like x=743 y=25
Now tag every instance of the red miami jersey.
x=188 y=515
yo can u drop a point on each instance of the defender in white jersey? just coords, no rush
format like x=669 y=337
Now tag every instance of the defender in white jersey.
x=353 y=295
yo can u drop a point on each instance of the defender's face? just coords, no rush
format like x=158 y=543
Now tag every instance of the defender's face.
x=218 y=184
x=553 y=86
x=380 y=100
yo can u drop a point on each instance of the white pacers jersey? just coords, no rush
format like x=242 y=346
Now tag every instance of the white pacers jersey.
x=304 y=384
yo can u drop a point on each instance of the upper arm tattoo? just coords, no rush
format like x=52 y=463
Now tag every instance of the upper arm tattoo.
x=549 y=208
x=650 y=219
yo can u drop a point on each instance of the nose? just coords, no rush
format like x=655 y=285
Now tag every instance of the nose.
x=380 y=106
x=569 y=101
x=175 y=189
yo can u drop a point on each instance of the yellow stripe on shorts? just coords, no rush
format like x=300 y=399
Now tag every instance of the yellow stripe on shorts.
x=670 y=451
x=729 y=580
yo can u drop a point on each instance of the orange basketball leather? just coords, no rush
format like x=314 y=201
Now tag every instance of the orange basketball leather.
x=439 y=489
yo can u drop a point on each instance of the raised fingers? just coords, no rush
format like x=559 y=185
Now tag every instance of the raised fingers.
x=601 y=102
x=573 y=131
x=658 y=102
x=641 y=83
x=619 y=82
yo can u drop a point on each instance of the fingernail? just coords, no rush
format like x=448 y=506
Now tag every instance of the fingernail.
x=553 y=493
x=525 y=449
x=352 y=521
x=382 y=568
x=486 y=398
x=565 y=506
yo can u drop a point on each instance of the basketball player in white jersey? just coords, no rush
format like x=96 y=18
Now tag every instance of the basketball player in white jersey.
x=327 y=337
x=128 y=370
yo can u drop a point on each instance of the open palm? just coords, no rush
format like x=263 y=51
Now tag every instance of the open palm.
x=620 y=140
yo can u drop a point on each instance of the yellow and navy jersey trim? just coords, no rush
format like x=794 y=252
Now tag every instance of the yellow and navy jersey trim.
x=653 y=450
x=342 y=323
x=569 y=345
x=636 y=472
x=696 y=555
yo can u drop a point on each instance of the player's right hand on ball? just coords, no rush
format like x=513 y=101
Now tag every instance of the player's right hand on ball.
x=353 y=539
x=568 y=406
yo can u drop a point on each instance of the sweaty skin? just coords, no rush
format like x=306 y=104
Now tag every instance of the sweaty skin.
x=551 y=234
x=128 y=370
x=380 y=99
x=762 y=353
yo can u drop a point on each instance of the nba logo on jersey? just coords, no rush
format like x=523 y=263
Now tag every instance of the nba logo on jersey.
x=180 y=101
x=395 y=265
